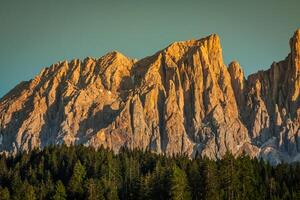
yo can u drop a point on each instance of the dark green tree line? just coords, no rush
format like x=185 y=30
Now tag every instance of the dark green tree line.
x=79 y=172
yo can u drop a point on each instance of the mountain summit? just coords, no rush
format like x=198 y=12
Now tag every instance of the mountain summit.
x=181 y=100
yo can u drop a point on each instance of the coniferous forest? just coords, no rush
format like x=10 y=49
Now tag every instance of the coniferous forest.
x=79 y=172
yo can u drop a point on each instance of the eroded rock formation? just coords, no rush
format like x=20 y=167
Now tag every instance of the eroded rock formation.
x=183 y=99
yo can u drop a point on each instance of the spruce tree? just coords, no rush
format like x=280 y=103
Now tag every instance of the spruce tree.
x=196 y=181
x=93 y=191
x=76 y=180
x=4 y=194
x=179 y=189
x=211 y=180
x=60 y=191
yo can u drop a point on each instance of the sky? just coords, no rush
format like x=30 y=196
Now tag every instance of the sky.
x=37 y=33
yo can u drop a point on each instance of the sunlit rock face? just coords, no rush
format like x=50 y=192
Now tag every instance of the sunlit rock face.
x=181 y=100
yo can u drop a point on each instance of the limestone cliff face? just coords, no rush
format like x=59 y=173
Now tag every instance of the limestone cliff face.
x=272 y=107
x=183 y=99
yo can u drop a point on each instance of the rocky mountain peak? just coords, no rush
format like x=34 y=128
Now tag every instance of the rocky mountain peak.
x=295 y=41
x=235 y=70
x=294 y=72
x=212 y=42
x=182 y=99
x=295 y=52
x=238 y=82
x=114 y=56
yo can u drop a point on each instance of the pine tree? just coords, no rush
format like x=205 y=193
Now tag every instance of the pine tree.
x=247 y=178
x=42 y=190
x=76 y=180
x=4 y=194
x=229 y=177
x=211 y=180
x=28 y=192
x=110 y=190
x=131 y=169
x=196 y=181
x=93 y=192
x=60 y=191
x=179 y=189
x=159 y=182
x=145 y=188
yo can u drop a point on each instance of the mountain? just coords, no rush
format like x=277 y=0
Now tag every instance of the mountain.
x=183 y=99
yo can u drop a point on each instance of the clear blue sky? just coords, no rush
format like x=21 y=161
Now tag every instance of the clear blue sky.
x=35 y=34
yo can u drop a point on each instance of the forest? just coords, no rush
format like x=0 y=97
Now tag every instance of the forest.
x=79 y=172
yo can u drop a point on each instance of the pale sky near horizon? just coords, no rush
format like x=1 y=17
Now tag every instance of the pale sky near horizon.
x=37 y=33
